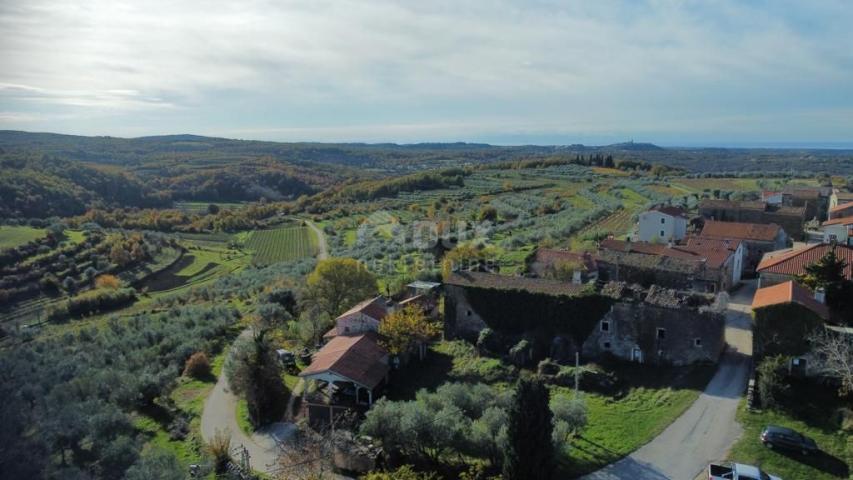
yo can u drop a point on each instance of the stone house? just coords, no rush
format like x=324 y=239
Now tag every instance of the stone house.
x=363 y=317
x=815 y=200
x=841 y=211
x=707 y=265
x=658 y=326
x=839 y=197
x=784 y=265
x=790 y=218
x=758 y=239
x=663 y=224
x=547 y=263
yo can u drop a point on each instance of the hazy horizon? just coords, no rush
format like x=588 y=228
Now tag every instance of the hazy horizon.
x=500 y=72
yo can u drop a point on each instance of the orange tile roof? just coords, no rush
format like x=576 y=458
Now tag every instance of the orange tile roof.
x=713 y=255
x=841 y=206
x=358 y=358
x=671 y=211
x=744 y=231
x=789 y=292
x=839 y=221
x=794 y=262
x=373 y=308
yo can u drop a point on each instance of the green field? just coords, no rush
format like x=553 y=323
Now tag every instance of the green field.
x=13 y=236
x=281 y=244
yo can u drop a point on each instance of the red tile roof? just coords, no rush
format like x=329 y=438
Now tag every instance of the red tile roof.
x=839 y=221
x=373 y=308
x=358 y=358
x=743 y=231
x=794 y=262
x=550 y=256
x=840 y=207
x=671 y=211
x=713 y=255
x=789 y=292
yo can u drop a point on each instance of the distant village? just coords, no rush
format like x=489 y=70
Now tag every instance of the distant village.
x=656 y=296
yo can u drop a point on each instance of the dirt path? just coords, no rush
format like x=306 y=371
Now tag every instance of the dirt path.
x=707 y=430
x=220 y=408
x=322 y=246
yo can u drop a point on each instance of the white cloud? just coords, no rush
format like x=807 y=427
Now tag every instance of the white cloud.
x=356 y=65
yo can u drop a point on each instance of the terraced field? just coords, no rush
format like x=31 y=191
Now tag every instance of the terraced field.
x=13 y=236
x=618 y=223
x=281 y=244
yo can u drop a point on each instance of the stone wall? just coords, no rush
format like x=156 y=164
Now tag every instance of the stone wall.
x=631 y=333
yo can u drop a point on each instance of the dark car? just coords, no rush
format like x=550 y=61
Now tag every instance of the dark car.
x=785 y=438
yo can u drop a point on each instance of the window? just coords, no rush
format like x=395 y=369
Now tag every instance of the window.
x=662 y=233
x=469 y=313
x=663 y=221
x=697 y=342
x=661 y=334
x=607 y=345
x=605 y=325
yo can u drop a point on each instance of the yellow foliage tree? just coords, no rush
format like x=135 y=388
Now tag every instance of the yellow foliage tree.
x=107 y=281
x=406 y=328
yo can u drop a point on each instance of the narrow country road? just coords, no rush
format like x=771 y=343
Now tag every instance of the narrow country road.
x=707 y=430
x=220 y=409
x=322 y=247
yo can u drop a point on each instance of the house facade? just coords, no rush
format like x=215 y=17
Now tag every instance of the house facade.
x=840 y=197
x=837 y=230
x=363 y=317
x=662 y=224
x=758 y=239
x=657 y=326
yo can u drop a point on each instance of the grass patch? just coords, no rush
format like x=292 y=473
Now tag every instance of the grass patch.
x=243 y=417
x=15 y=236
x=812 y=411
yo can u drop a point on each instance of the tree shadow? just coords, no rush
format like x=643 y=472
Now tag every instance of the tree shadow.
x=429 y=373
x=822 y=461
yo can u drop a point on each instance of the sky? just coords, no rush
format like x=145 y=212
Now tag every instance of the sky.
x=711 y=72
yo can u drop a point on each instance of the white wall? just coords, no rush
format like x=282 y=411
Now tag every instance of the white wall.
x=840 y=232
x=652 y=223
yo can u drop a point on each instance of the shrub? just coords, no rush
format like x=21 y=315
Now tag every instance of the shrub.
x=107 y=281
x=771 y=380
x=197 y=366
x=219 y=448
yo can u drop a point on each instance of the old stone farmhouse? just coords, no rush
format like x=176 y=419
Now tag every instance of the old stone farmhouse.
x=655 y=325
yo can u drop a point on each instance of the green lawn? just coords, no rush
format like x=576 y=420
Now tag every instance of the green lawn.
x=652 y=398
x=646 y=401
x=814 y=412
x=14 y=236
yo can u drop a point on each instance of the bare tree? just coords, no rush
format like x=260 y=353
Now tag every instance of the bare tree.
x=834 y=352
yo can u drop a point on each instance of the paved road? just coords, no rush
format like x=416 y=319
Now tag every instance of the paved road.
x=706 y=431
x=220 y=409
x=220 y=414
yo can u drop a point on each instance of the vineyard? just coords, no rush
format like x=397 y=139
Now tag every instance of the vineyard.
x=281 y=244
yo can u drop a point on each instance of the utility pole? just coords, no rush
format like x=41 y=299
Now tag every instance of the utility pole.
x=577 y=371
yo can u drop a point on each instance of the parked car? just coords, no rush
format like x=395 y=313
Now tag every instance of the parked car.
x=737 y=471
x=785 y=438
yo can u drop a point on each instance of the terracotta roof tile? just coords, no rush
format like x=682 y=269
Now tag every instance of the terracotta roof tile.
x=839 y=221
x=793 y=262
x=841 y=207
x=373 y=308
x=671 y=211
x=710 y=254
x=744 y=231
x=358 y=358
x=789 y=292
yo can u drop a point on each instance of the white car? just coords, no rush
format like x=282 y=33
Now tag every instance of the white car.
x=737 y=471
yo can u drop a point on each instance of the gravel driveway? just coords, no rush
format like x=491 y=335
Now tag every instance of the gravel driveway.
x=706 y=431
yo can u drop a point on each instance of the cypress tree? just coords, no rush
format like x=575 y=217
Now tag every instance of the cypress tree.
x=530 y=453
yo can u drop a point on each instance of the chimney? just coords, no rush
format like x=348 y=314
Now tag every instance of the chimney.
x=820 y=294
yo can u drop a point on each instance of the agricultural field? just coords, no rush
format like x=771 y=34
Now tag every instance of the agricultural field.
x=281 y=244
x=14 y=236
